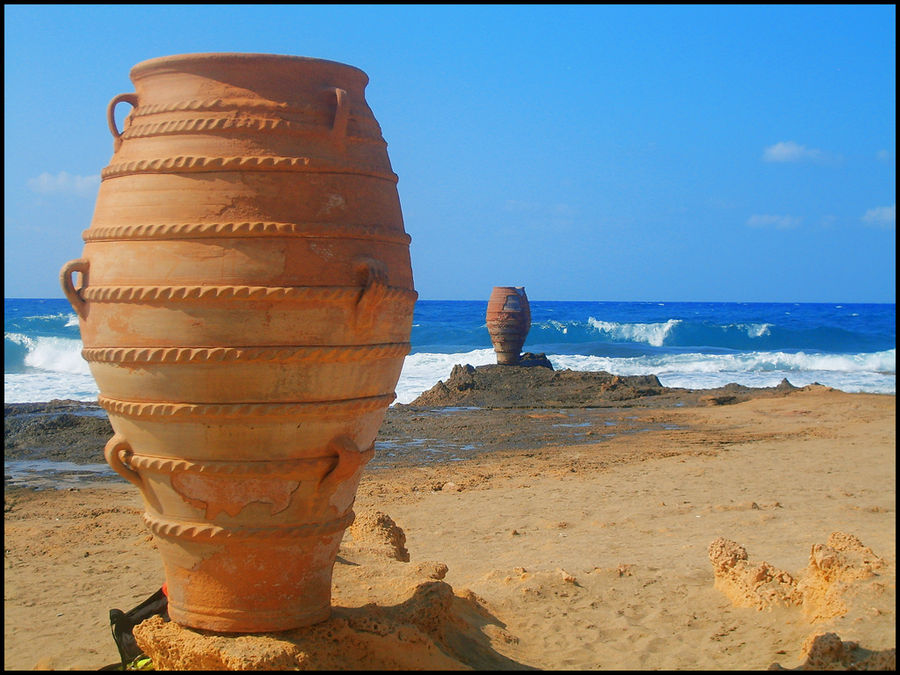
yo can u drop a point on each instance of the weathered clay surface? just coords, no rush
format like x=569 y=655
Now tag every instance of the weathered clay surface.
x=508 y=319
x=245 y=299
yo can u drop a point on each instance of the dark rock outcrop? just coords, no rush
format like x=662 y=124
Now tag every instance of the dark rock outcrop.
x=493 y=386
x=529 y=360
x=523 y=386
x=71 y=431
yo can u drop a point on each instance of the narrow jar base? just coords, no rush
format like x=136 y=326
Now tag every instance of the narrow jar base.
x=232 y=621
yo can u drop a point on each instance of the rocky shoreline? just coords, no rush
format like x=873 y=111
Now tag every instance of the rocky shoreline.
x=477 y=409
x=540 y=386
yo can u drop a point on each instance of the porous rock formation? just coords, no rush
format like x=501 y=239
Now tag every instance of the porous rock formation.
x=826 y=651
x=833 y=575
x=413 y=620
x=369 y=638
x=376 y=532
x=758 y=585
x=830 y=579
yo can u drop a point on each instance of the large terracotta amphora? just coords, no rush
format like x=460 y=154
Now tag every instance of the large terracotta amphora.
x=245 y=300
x=508 y=320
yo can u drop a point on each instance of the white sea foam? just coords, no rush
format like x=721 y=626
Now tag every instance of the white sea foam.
x=649 y=333
x=61 y=373
x=19 y=339
x=875 y=372
x=56 y=369
x=755 y=330
x=872 y=372
x=53 y=354
x=422 y=371
x=36 y=387
x=561 y=327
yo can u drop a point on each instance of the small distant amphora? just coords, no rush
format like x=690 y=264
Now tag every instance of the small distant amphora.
x=245 y=301
x=508 y=321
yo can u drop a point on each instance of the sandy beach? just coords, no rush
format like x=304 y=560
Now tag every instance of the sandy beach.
x=704 y=533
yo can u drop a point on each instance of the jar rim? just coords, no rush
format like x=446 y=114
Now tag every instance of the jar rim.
x=162 y=63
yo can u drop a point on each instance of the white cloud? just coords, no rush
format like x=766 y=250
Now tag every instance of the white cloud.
x=883 y=155
x=788 y=151
x=882 y=216
x=780 y=222
x=64 y=183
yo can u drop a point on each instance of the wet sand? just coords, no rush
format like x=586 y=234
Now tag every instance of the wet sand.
x=537 y=537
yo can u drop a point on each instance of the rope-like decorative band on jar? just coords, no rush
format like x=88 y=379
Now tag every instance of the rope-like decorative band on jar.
x=178 y=355
x=244 y=105
x=198 y=412
x=309 y=468
x=151 y=294
x=248 y=125
x=204 y=531
x=184 y=164
x=244 y=229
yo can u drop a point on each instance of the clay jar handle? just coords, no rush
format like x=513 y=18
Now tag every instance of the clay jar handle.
x=73 y=294
x=376 y=288
x=341 y=117
x=111 y=116
x=115 y=448
x=349 y=460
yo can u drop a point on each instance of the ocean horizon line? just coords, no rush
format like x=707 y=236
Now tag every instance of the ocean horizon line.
x=672 y=302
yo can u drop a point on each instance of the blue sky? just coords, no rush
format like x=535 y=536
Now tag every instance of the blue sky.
x=671 y=153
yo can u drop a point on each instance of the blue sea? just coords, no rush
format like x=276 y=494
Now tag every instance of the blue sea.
x=851 y=347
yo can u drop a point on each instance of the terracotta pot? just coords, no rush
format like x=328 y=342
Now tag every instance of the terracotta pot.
x=508 y=321
x=245 y=299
